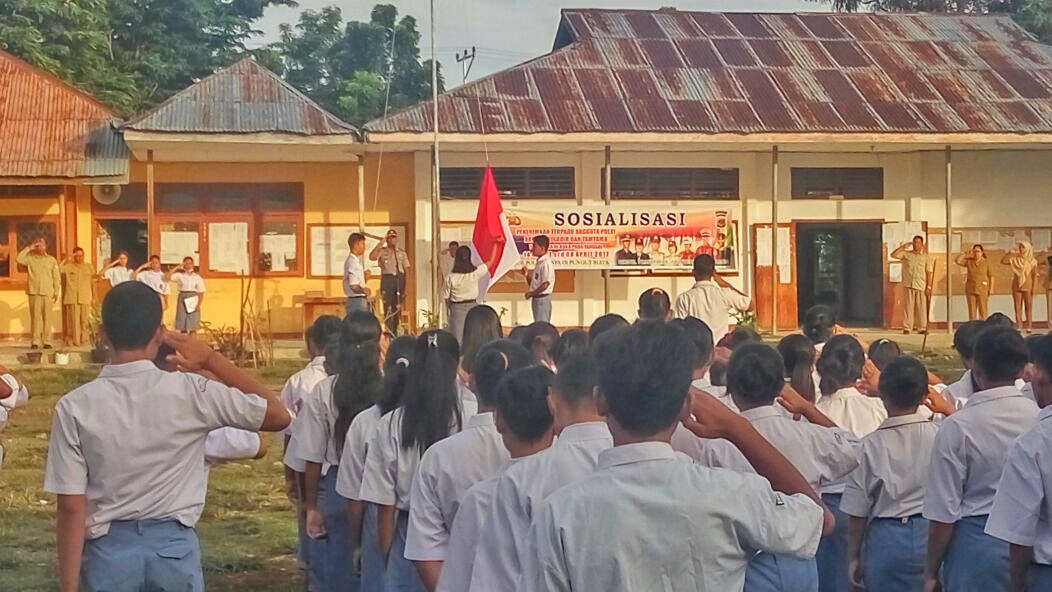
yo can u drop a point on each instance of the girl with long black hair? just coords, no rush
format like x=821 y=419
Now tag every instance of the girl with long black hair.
x=431 y=410
x=330 y=408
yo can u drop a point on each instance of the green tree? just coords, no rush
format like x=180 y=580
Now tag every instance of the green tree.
x=130 y=54
x=1033 y=15
x=347 y=67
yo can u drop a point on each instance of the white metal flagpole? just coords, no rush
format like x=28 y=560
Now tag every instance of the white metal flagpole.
x=436 y=218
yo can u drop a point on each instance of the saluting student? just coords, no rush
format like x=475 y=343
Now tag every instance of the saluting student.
x=117 y=271
x=451 y=466
x=431 y=410
x=1024 y=496
x=13 y=393
x=525 y=421
x=964 y=339
x=368 y=561
x=151 y=274
x=701 y=336
x=126 y=451
x=191 y=294
x=888 y=536
x=966 y=462
x=583 y=435
x=327 y=414
x=823 y=453
x=698 y=528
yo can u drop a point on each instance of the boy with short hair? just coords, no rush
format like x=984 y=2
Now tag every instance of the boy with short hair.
x=354 y=275
x=649 y=518
x=964 y=339
x=1024 y=496
x=887 y=537
x=967 y=458
x=525 y=423
x=541 y=280
x=655 y=305
x=126 y=452
x=583 y=436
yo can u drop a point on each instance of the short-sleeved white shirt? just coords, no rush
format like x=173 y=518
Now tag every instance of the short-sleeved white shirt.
x=969 y=453
x=851 y=410
x=353 y=275
x=118 y=275
x=521 y=489
x=316 y=425
x=355 y=451
x=300 y=384
x=463 y=287
x=893 y=466
x=649 y=518
x=447 y=470
x=230 y=444
x=464 y=538
x=132 y=441
x=1023 y=504
x=155 y=280
x=709 y=302
x=189 y=281
x=543 y=271
x=390 y=468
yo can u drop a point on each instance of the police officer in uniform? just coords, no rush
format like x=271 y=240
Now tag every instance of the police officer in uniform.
x=394 y=263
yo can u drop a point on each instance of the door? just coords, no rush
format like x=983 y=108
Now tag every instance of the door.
x=840 y=265
x=114 y=236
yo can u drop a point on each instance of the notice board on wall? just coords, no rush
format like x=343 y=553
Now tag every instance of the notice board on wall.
x=328 y=248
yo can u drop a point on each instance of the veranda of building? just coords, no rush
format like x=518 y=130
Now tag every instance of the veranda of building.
x=834 y=125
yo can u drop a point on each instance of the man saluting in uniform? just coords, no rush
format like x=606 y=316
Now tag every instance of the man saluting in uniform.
x=394 y=262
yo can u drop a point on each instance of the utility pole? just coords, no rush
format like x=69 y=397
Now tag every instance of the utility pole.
x=466 y=60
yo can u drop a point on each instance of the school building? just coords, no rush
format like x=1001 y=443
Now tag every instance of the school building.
x=825 y=139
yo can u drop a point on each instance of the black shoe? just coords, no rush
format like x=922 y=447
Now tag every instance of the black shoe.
x=47 y=346
x=34 y=346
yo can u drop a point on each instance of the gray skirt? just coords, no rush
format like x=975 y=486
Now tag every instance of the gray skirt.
x=458 y=313
x=187 y=321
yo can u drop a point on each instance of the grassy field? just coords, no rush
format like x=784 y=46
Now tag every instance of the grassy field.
x=247 y=531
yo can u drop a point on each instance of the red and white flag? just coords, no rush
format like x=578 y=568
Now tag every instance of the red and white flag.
x=492 y=239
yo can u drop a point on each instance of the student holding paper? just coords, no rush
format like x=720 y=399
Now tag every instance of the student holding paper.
x=191 y=294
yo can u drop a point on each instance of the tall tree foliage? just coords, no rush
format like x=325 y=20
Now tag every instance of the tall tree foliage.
x=1034 y=15
x=348 y=67
x=130 y=54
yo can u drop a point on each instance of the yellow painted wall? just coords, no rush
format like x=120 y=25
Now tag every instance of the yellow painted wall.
x=14 y=308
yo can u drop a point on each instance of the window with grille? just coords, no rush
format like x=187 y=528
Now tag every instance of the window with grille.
x=849 y=183
x=512 y=182
x=673 y=183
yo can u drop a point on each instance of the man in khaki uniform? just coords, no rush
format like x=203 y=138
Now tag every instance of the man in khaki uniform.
x=77 y=297
x=394 y=263
x=43 y=289
x=918 y=273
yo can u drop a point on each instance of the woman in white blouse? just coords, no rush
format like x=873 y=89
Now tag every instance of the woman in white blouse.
x=461 y=290
x=191 y=294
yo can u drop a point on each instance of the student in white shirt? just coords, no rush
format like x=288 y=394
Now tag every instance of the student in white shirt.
x=525 y=423
x=191 y=295
x=151 y=274
x=572 y=342
x=324 y=331
x=617 y=530
x=701 y=336
x=368 y=561
x=888 y=536
x=540 y=339
x=117 y=271
x=460 y=290
x=583 y=435
x=451 y=466
x=126 y=452
x=12 y=394
x=823 y=453
x=1024 y=496
x=605 y=323
x=966 y=463
x=541 y=280
x=840 y=368
x=431 y=410
x=655 y=305
x=964 y=339
x=711 y=298
x=798 y=356
x=481 y=326
x=354 y=275
x=322 y=430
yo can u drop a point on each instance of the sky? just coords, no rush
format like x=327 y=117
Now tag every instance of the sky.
x=505 y=32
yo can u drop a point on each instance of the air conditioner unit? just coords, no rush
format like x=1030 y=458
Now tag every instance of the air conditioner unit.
x=106 y=195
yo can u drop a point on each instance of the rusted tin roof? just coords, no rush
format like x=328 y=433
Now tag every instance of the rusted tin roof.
x=244 y=98
x=49 y=129
x=705 y=72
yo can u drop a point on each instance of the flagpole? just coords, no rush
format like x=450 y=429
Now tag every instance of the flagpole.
x=436 y=175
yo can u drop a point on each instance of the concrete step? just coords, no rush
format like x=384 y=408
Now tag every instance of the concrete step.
x=14 y=354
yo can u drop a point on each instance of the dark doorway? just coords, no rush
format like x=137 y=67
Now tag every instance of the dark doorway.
x=839 y=264
x=115 y=236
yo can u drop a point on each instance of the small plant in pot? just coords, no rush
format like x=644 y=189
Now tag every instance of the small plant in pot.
x=100 y=350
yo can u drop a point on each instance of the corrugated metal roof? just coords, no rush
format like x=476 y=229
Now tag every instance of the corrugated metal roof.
x=243 y=98
x=50 y=129
x=707 y=72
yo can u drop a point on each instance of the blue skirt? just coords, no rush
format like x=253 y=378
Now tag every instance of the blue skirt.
x=401 y=575
x=330 y=557
x=975 y=561
x=372 y=563
x=832 y=551
x=893 y=554
x=781 y=573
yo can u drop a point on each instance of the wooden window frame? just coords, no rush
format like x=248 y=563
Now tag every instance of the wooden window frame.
x=649 y=172
x=254 y=217
x=17 y=279
x=526 y=172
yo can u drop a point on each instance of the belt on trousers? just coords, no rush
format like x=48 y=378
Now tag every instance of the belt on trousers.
x=462 y=302
x=903 y=520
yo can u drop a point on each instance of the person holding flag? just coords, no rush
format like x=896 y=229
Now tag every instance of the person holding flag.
x=462 y=287
x=492 y=239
